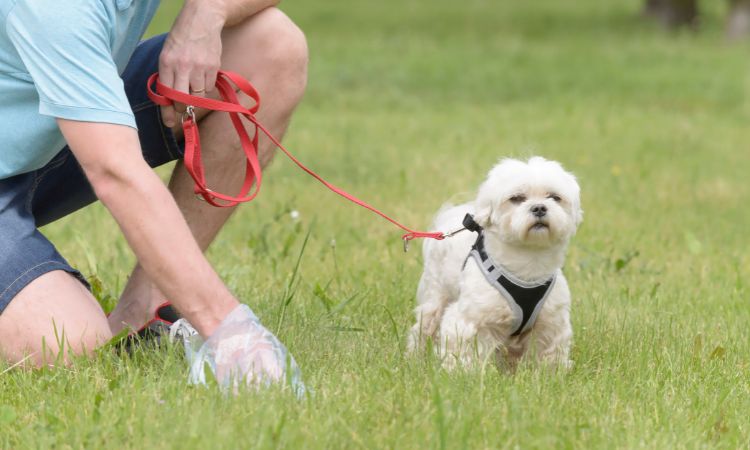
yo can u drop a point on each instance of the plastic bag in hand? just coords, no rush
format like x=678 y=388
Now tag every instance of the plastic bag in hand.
x=241 y=351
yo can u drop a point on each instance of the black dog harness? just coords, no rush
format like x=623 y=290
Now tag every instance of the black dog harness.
x=525 y=299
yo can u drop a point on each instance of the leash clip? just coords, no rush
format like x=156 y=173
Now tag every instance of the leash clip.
x=454 y=232
x=189 y=112
x=406 y=244
x=200 y=195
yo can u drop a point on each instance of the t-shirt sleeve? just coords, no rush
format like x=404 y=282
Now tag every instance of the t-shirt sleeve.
x=65 y=47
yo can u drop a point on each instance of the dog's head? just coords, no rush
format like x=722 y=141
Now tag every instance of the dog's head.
x=535 y=203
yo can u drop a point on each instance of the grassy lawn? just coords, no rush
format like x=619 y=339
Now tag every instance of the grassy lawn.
x=409 y=104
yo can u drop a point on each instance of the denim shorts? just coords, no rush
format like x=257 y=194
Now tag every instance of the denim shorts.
x=34 y=199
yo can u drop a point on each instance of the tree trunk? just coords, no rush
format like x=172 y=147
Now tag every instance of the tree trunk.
x=651 y=8
x=673 y=14
x=738 y=21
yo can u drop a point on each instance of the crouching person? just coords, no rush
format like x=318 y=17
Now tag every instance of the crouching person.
x=76 y=126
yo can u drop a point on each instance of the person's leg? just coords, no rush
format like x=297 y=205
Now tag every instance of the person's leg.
x=44 y=303
x=271 y=52
x=54 y=313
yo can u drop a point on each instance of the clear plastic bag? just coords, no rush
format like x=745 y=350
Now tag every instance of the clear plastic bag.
x=240 y=352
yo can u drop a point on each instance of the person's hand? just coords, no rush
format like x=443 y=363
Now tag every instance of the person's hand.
x=242 y=352
x=191 y=55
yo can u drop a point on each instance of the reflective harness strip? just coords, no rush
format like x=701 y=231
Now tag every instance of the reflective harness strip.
x=525 y=299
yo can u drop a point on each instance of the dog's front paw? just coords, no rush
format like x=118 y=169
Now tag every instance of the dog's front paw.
x=448 y=362
x=557 y=364
x=418 y=339
x=457 y=353
x=452 y=361
x=426 y=328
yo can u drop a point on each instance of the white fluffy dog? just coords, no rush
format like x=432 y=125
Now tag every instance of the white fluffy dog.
x=508 y=296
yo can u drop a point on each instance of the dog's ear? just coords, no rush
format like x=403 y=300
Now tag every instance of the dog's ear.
x=576 y=207
x=483 y=215
x=578 y=216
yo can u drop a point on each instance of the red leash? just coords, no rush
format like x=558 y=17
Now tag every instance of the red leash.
x=166 y=96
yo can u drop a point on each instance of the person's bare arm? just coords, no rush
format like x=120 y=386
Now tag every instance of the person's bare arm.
x=233 y=12
x=148 y=216
x=192 y=52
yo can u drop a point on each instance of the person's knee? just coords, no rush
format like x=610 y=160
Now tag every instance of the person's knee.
x=279 y=50
x=59 y=345
x=69 y=342
x=83 y=340
x=52 y=319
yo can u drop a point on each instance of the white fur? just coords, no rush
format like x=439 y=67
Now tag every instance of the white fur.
x=467 y=319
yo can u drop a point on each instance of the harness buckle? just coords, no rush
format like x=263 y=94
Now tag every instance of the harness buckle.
x=189 y=112
x=470 y=224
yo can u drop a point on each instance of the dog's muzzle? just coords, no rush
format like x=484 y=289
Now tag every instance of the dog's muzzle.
x=538 y=210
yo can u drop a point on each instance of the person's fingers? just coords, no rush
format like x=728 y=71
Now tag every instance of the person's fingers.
x=182 y=84
x=198 y=83
x=211 y=79
x=166 y=77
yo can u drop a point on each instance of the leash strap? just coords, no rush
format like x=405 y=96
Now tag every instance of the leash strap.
x=229 y=103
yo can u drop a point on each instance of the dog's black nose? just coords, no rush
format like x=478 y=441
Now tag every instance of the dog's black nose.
x=539 y=210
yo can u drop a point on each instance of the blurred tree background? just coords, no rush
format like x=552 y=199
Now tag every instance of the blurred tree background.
x=738 y=24
x=674 y=14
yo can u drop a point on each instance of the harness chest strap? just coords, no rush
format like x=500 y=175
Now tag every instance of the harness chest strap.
x=525 y=299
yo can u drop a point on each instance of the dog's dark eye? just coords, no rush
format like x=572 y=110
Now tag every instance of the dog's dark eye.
x=518 y=198
x=555 y=197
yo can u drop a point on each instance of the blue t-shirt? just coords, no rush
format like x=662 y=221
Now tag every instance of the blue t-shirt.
x=62 y=59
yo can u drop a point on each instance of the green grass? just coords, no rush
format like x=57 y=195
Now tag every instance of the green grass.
x=410 y=103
